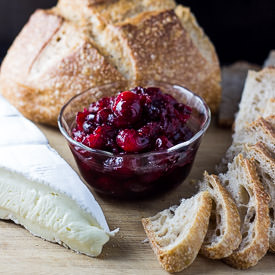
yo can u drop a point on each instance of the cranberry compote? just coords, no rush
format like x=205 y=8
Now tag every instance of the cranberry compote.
x=136 y=127
x=136 y=121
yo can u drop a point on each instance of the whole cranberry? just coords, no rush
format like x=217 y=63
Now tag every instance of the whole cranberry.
x=131 y=141
x=127 y=108
x=94 y=141
x=80 y=118
x=102 y=116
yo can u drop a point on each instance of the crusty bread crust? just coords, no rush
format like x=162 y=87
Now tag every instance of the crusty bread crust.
x=227 y=221
x=40 y=95
x=180 y=255
x=162 y=35
x=253 y=251
x=265 y=162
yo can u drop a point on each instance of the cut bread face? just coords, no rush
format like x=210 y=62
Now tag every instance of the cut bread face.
x=255 y=120
x=233 y=79
x=265 y=163
x=223 y=235
x=261 y=130
x=176 y=234
x=270 y=108
x=243 y=184
x=259 y=88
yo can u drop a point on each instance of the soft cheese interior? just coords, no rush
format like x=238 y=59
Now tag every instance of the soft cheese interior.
x=40 y=191
x=50 y=215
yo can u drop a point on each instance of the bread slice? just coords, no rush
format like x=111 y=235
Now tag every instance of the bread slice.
x=261 y=130
x=223 y=235
x=269 y=108
x=265 y=163
x=259 y=88
x=242 y=182
x=233 y=79
x=176 y=234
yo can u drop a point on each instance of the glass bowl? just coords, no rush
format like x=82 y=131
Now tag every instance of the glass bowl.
x=135 y=175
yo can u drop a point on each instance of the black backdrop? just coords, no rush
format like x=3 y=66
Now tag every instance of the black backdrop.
x=240 y=29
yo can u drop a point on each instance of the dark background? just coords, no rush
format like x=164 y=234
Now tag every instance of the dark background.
x=239 y=29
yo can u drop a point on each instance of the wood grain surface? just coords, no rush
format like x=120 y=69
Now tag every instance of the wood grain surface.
x=127 y=253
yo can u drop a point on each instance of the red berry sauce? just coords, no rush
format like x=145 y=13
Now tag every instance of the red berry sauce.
x=136 y=121
x=129 y=124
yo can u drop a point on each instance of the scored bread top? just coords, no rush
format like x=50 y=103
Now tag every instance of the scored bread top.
x=80 y=44
x=60 y=62
x=111 y=11
x=33 y=39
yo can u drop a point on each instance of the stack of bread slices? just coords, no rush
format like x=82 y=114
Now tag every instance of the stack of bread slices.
x=232 y=217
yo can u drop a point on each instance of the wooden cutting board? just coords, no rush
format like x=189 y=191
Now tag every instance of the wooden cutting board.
x=127 y=253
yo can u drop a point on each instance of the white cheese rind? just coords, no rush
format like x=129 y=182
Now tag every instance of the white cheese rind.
x=50 y=215
x=19 y=130
x=27 y=156
x=6 y=109
x=42 y=164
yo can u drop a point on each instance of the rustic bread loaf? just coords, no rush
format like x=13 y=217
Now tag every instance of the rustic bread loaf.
x=265 y=163
x=81 y=43
x=242 y=182
x=176 y=234
x=50 y=61
x=223 y=235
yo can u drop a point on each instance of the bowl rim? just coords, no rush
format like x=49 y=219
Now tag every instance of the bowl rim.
x=169 y=150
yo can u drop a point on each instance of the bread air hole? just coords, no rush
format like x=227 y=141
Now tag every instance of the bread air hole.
x=172 y=212
x=243 y=195
x=258 y=79
x=244 y=235
x=210 y=185
x=226 y=183
x=163 y=219
x=163 y=233
x=218 y=232
x=252 y=218
x=267 y=177
x=219 y=218
x=271 y=213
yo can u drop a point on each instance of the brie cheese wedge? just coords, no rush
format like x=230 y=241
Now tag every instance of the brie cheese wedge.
x=41 y=192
